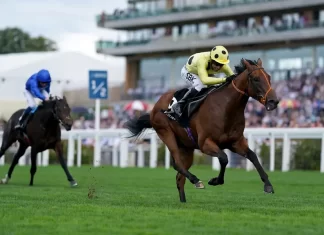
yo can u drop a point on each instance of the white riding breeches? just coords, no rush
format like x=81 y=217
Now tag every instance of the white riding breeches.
x=30 y=98
x=192 y=79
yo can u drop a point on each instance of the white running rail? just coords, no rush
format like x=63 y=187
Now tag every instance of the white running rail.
x=121 y=156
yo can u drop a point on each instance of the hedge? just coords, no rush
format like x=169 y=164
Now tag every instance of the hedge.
x=306 y=155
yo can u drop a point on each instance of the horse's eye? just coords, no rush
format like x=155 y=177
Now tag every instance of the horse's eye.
x=256 y=79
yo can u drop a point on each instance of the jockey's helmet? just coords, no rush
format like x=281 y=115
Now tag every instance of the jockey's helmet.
x=44 y=76
x=220 y=55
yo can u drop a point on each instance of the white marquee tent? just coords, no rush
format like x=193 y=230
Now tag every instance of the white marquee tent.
x=69 y=71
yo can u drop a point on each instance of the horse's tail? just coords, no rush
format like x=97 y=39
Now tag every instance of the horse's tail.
x=6 y=133
x=137 y=125
x=9 y=136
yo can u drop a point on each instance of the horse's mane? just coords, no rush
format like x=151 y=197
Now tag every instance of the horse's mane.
x=50 y=103
x=241 y=67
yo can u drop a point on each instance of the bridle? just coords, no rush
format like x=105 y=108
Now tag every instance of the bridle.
x=263 y=98
x=54 y=111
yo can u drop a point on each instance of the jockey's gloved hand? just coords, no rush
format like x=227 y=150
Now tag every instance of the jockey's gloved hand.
x=230 y=78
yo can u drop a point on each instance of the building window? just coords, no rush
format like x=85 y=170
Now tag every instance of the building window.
x=320 y=56
x=235 y=57
x=155 y=72
x=299 y=58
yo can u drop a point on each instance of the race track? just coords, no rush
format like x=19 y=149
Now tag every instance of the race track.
x=145 y=201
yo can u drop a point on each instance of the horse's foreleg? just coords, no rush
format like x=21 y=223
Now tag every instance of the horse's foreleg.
x=33 y=167
x=241 y=147
x=169 y=139
x=59 y=153
x=223 y=161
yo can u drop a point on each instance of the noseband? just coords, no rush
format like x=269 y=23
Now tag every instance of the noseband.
x=245 y=93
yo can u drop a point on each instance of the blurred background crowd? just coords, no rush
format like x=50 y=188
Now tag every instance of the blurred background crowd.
x=155 y=39
x=301 y=105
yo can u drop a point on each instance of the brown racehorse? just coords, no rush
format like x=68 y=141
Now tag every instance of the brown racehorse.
x=218 y=124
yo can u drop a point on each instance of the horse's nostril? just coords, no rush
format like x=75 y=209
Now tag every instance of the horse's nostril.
x=275 y=102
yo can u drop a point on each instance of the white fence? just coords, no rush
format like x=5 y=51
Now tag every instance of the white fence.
x=122 y=156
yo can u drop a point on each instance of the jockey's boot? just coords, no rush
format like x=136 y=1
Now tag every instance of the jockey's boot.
x=24 y=119
x=178 y=107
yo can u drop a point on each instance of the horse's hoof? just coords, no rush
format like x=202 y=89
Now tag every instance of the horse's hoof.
x=4 y=181
x=73 y=183
x=216 y=181
x=199 y=185
x=268 y=189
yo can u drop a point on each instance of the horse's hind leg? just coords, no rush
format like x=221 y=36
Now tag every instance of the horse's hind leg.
x=187 y=159
x=7 y=141
x=211 y=148
x=169 y=139
x=21 y=150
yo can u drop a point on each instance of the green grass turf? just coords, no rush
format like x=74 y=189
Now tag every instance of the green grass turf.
x=145 y=201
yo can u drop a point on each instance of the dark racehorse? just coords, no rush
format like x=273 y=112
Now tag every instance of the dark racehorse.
x=218 y=124
x=42 y=132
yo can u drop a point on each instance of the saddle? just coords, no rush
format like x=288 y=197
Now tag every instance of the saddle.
x=22 y=131
x=192 y=105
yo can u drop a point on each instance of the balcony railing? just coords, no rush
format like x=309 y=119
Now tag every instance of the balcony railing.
x=130 y=14
x=102 y=44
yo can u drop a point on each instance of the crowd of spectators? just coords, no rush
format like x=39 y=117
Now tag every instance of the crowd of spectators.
x=301 y=105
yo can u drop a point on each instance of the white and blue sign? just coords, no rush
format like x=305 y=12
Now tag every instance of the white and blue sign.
x=98 y=84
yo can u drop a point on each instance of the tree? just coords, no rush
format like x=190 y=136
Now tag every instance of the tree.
x=14 y=40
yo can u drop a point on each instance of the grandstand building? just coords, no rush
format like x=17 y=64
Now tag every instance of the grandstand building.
x=288 y=35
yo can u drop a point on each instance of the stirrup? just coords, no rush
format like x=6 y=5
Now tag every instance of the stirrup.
x=168 y=111
x=18 y=128
x=18 y=125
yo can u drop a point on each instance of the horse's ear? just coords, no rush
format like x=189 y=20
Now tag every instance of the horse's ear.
x=247 y=64
x=259 y=62
x=64 y=98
